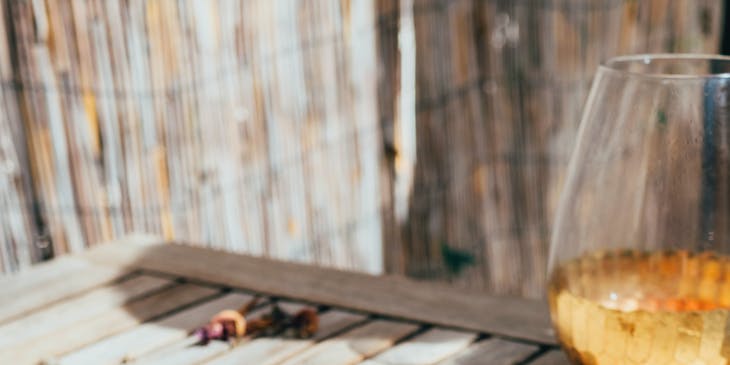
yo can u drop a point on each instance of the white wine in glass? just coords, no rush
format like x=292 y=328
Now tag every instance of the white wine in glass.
x=640 y=253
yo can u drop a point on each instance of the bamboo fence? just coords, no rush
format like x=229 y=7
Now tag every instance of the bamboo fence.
x=370 y=135
x=248 y=125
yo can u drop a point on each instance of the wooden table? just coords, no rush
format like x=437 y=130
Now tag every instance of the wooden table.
x=136 y=301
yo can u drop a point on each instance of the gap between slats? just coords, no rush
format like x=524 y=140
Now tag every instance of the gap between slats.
x=100 y=313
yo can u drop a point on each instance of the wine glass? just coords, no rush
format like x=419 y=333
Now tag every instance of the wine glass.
x=640 y=253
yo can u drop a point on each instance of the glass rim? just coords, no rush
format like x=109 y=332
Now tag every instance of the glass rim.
x=611 y=63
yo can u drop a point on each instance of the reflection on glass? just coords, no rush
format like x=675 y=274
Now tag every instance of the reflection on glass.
x=639 y=265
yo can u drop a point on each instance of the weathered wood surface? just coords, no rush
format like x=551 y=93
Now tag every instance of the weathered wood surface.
x=49 y=283
x=63 y=314
x=245 y=125
x=392 y=296
x=419 y=137
x=355 y=345
x=18 y=235
x=552 y=358
x=136 y=322
x=108 y=323
x=494 y=352
x=499 y=89
x=153 y=335
x=427 y=348
x=184 y=351
x=266 y=351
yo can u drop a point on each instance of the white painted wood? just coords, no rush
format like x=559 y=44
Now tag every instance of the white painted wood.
x=425 y=349
x=110 y=322
x=75 y=310
x=354 y=345
x=150 y=336
x=493 y=351
x=267 y=350
x=186 y=352
x=47 y=283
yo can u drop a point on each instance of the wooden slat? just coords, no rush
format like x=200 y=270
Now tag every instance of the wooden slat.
x=425 y=349
x=390 y=296
x=150 y=336
x=108 y=323
x=39 y=273
x=554 y=357
x=55 y=280
x=493 y=352
x=269 y=351
x=186 y=351
x=355 y=345
x=77 y=309
x=134 y=85
x=334 y=321
x=47 y=283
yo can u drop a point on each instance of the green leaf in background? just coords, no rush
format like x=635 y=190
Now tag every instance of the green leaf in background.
x=661 y=117
x=456 y=260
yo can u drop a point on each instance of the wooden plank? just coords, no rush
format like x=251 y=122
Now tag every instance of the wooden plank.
x=49 y=283
x=355 y=345
x=273 y=350
x=62 y=182
x=389 y=296
x=554 y=357
x=37 y=274
x=150 y=336
x=141 y=76
x=425 y=349
x=186 y=351
x=492 y=351
x=16 y=222
x=40 y=274
x=108 y=323
x=74 y=310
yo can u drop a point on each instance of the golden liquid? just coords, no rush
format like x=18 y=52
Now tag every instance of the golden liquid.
x=661 y=308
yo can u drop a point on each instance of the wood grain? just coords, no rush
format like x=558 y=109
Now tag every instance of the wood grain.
x=494 y=352
x=185 y=354
x=345 y=134
x=554 y=357
x=218 y=122
x=48 y=283
x=37 y=275
x=499 y=88
x=20 y=244
x=108 y=323
x=355 y=345
x=150 y=336
x=105 y=325
x=390 y=296
x=424 y=349
x=187 y=351
x=84 y=307
x=270 y=351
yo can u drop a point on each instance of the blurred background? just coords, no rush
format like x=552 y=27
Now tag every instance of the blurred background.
x=426 y=138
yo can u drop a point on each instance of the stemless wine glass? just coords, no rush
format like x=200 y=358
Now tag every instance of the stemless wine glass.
x=640 y=254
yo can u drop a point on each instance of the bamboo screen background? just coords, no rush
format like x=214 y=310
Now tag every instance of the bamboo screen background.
x=418 y=137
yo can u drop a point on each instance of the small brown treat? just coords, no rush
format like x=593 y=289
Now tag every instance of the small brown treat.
x=305 y=323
